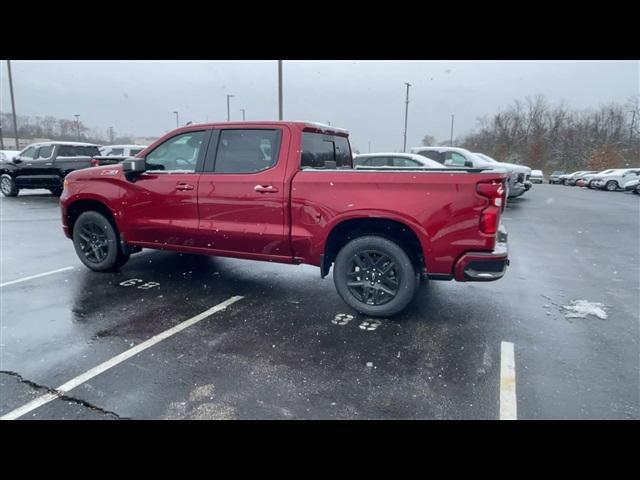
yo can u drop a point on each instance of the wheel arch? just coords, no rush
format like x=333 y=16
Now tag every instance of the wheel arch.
x=393 y=229
x=78 y=207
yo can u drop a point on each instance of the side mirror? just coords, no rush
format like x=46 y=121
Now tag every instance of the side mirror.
x=16 y=160
x=133 y=166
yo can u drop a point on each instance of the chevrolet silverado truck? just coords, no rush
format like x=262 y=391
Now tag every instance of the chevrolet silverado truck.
x=288 y=192
x=44 y=165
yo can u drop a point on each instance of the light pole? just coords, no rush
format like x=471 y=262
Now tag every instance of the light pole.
x=13 y=105
x=229 y=111
x=111 y=135
x=243 y=111
x=451 y=139
x=633 y=121
x=406 y=116
x=369 y=146
x=279 y=89
x=77 y=126
x=1 y=138
x=177 y=122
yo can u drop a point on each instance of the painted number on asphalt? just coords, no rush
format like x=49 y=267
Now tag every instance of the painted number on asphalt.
x=135 y=281
x=342 y=319
x=370 y=325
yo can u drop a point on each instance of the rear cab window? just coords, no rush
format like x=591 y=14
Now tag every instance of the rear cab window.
x=325 y=151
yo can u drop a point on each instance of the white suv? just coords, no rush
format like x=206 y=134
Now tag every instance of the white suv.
x=616 y=179
x=460 y=157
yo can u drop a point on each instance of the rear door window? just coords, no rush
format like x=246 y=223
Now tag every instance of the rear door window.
x=117 y=151
x=247 y=150
x=45 y=152
x=404 y=162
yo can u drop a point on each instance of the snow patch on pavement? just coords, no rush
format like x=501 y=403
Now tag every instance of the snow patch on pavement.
x=582 y=308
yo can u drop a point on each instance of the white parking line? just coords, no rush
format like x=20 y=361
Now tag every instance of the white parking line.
x=36 y=276
x=508 y=401
x=80 y=379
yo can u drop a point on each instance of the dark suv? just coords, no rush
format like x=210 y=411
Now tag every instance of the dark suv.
x=44 y=165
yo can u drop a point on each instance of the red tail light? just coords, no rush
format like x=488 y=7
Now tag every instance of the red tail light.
x=95 y=163
x=490 y=217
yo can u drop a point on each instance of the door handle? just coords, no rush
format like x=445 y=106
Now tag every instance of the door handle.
x=265 y=189
x=184 y=186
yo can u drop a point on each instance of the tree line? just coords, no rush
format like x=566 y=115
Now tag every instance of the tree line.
x=59 y=129
x=550 y=137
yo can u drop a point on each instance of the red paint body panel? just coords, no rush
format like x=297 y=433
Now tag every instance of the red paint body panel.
x=224 y=214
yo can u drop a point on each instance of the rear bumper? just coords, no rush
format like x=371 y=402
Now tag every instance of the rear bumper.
x=484 y=266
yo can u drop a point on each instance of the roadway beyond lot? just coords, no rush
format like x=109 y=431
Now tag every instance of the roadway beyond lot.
x=291 y=349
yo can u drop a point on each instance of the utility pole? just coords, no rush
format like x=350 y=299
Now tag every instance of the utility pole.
x=243 y=113
x=177 y=122
x=279 y=89
x=229 y=111
x=633 y=121
x=13 y=105
x=406 y=116
x=369 y=146
x=77 y=126
x=1 y=139
x=451 y=140
x=111 y=135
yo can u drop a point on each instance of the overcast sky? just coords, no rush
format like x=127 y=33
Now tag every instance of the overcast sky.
x=366 y=97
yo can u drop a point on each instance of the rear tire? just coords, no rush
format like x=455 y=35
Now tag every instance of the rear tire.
x=8 y=186
x=56 y=192
x=611 y=186
x=375 y=276
x=96 y=242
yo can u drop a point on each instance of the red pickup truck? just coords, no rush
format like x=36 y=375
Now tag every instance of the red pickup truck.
x=287 y=192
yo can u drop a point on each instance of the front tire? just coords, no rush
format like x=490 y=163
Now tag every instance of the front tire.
x=611 y=186
x=8 y=186
x=375 y=276
x=96 y=243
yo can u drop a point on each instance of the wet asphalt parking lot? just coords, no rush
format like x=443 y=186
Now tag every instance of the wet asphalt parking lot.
x=291 y=349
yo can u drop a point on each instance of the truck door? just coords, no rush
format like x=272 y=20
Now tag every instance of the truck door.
x=161 y=206
x=242 y=193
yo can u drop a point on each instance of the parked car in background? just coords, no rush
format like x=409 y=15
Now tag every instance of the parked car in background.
x=537 y=176
x=616 y=179
x=523 y=172
x=6 y=155
x=45 y=165
x=554 y=178
x=563 y=178
x=587 y=180
x=121 y=150
x=394 y=160
x=298 y=202
x=460 y=157
x=633 y=186
x=575 y=176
